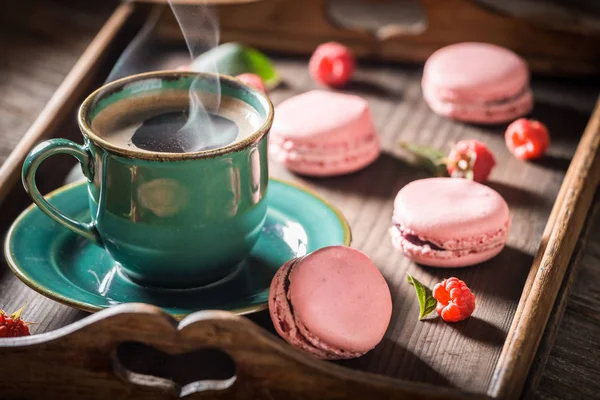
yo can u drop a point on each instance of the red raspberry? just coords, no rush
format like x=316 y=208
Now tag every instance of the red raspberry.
x=254 y=81
x=527 y=138
x=332 y=64
x=470 y=159
x=455 y=300
x=12 y=325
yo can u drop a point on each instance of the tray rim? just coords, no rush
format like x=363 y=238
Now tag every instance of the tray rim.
x=517 y=355
x=548 y=270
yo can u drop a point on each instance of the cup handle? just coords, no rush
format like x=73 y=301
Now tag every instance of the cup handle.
x=30 y=166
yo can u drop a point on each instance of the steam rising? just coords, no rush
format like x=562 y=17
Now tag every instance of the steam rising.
x=200 y=29
x=140 y=52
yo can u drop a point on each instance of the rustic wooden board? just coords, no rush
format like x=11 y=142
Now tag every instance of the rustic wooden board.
x=65 y=100
x=139 y=352
x=572 y=370
x=299 y=26
x=461 y=356
x=565 y=366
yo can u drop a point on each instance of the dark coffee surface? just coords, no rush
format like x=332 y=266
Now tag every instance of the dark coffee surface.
x=176 y=132
x=173 y=123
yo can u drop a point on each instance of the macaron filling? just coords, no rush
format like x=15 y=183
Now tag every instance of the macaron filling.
x=415 y=240
x=298 y=333
x=285 y=150
x=525 y=90
x=411 y=242
x=288 y=144
x=521 y=103
x=495 y=111
x=443 y=96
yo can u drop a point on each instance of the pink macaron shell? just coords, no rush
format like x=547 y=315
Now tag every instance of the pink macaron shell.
x=482 y=113
x=320 y=133
x=446 y=259
x=447 y=210
x=456 y=262
x=282 y=317
x=474 y=72
x=322 y=117
x=341 y=298
x=333 y=160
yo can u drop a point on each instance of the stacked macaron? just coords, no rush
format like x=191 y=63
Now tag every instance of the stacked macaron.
x=321 y=133
x=477 y=82
x=333 y=303
x=449 y=222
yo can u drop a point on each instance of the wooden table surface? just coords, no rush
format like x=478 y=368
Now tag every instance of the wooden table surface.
x=37 y=55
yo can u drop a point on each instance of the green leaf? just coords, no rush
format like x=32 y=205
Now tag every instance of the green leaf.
x=263 y=67
x=427 y=302
x=235 y=59
x=427 y=157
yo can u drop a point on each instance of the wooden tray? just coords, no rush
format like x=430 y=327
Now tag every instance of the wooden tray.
x=410 y=30
x=488 y=355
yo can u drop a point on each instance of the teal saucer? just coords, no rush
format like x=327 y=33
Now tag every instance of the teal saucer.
x=67 y=268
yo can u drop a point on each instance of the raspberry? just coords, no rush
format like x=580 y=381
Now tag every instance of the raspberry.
x=332 y=64
x=12 y=325
x=527 y=138
x=470 y=159
x=455 y=300
x=254 y=81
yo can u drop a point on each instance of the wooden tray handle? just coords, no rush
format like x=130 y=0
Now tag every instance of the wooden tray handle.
x=560 y=17
x=298 y=27
x=436 y=13
x=110 y=355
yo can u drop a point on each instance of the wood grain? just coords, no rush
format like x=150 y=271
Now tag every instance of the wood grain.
x=40 y=42
x=300 y=26
x=572 y=371
x=460 y=356
x=551 y=265
x=64 y=100
x=580 y=265
x=428 y=351
x=81 y=359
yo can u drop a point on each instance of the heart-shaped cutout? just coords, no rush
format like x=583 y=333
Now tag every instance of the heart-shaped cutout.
x=185 y=373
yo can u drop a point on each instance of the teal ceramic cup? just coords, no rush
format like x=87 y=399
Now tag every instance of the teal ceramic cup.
x=172 y=220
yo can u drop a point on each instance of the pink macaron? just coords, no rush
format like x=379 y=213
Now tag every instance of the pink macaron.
x=333 y=303
x=449 y=222
x=320 y=133
x=477 y=82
